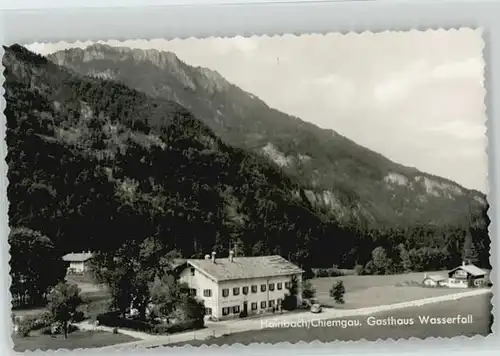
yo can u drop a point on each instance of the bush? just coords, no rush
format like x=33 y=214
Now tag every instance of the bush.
x=33 y=322
x=337 y=292
x=327 y=272
x=359 y=270
x=289 y=302
x=193 y=324
x=113 y=319
x=23 y=329
x=72 y=328
x=78 y=316
x=47 y=330
x=115 y=330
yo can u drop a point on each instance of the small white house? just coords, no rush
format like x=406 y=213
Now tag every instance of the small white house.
x=78 y=262
x=434 y=280
x=229 y=286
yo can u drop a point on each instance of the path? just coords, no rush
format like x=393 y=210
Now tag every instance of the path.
x=217 y=329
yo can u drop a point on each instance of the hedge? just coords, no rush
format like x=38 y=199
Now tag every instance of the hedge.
x=193 y=324
x=113 y=319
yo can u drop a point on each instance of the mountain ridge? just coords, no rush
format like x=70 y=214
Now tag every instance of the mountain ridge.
x=152 y=54
x=339 y=175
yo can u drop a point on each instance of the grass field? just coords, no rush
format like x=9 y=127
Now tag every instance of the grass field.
x=95 y=297
x=76 y=340
x=479 y=307
x=368 y=291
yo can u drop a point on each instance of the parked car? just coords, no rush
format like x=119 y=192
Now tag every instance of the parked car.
x=316 y=308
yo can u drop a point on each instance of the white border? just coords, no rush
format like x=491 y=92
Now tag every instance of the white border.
x=65 y=21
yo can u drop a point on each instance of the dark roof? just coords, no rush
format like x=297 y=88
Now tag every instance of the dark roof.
x=78 y=257
x=471 y=269
x=245 y=267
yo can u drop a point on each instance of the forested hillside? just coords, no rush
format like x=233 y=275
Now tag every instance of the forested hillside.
x=95 y=165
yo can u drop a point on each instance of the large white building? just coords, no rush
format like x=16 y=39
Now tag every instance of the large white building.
x=232 y=285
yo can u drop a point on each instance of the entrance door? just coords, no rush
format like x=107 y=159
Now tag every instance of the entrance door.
x=245 y=308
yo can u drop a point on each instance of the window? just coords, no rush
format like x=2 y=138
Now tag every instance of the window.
x=236 y=309
x=236 y=291
x=192 y=271
x=192 y=292
x=279 y=302
x=245 y=290
x=208 y=311
x=263 y=305
x=262 y=287
x=254 y=306
x=288 y=285
x=271 y=303
x=225 y=292
x=225 y=311
x=271 y=286
x=280 y=286
x=207 y=293
x=254 y=289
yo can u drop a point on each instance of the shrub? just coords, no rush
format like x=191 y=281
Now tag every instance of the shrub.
x=23 y=329
x=328 y=272
x=193 y=324
x=359 y=270
x=289 y=302
x=115 y=330
x=72 y=328
x=47 y=330
x=78 y=316
x=337 y=292
x=113 y=319
x=33 y=322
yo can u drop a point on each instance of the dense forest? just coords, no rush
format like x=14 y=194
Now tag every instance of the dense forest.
x=96 y=165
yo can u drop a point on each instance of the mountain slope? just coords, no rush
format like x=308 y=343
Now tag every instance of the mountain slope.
x=353 y=184
x=94 y=164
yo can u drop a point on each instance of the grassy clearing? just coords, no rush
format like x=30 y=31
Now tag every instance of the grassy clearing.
x=479 y=307
x=368 y=291
x=96 y=298
x=76 y=340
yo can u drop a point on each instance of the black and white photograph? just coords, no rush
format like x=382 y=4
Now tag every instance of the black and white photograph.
x=238 y=190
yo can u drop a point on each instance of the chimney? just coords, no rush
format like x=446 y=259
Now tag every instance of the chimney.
x=425 y=276
x=463 y=263
x=213 y=256
x=207 y=257
x=231 y=256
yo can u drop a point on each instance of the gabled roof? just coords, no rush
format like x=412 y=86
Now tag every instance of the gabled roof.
x=436 y=277
x=245 y=267
x=78 y=257
x=471 y=269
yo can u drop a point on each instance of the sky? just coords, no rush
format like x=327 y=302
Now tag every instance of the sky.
x=416 y=97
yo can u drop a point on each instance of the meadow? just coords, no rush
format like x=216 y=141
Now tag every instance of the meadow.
x=368 y=291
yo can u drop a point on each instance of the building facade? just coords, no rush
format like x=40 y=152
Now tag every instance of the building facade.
x=466 y=276
x=78 y=262
x=234 y=285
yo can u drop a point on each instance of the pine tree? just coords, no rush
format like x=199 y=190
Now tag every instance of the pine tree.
x=469 y=251
x=337 y=292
